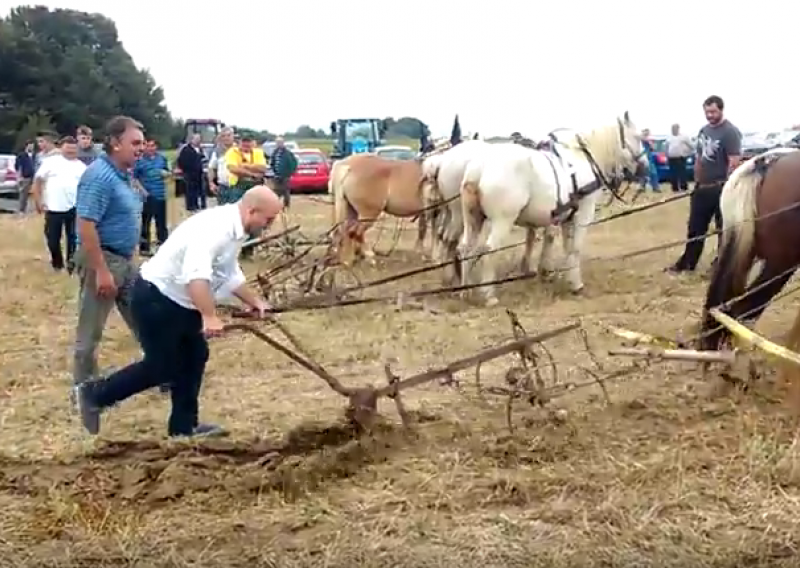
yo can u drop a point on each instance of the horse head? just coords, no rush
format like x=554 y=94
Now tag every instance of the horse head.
x=616 y=147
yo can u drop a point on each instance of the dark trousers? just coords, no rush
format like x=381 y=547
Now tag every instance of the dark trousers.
x=703 y=207
x=281 y=187
x=175 y=352
x=195 y=195
x=678 y=177
x=154 y=209
x=56 y=223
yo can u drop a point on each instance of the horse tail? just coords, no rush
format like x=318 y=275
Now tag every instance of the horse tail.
x=336 y=186
x=737 y=246
x=471 y=210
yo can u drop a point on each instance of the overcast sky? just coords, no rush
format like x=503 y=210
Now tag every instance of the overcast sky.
x=502 y=65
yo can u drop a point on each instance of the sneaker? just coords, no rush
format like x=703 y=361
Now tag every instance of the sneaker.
x=89 y=411
x=205 y=431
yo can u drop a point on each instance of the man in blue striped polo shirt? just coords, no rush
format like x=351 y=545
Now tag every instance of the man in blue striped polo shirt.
x=152 y=171
x=108 y=214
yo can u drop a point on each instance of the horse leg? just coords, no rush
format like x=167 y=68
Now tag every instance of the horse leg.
x=546 y=257
x=473 y=225
x=364 y=250
x=572 y=236
x=422 y=231
x=770 y=281
x=789 y=375
x=530 y=240
x=498 y=234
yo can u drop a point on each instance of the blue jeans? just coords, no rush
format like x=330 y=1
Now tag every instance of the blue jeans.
x=175 y=352
x=651 y=177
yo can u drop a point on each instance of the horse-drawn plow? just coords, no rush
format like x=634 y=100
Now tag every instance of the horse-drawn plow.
x=303 y=274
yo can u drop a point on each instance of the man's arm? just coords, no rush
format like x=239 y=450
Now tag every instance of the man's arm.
x=37 y=188
x=698 y=157
x=197 y=270
x=259 y=165
x=91 y=206
x=733 y=147
x=36 y=191
x=234 y=165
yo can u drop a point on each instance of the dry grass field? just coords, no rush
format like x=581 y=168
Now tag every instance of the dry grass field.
x=664 y=475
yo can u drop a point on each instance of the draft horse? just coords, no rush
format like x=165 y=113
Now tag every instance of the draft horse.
x=760 y=206
x=363 y=187
x=513 y=185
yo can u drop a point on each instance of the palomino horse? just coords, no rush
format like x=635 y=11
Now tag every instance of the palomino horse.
x=760 y=205
x=366 y=185
x=513 y=185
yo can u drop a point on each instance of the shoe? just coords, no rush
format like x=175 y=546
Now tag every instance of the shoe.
x=675 y=269
x=89 y=411
x=205 y=431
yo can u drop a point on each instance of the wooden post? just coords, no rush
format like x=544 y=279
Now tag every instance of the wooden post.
x=726 y=357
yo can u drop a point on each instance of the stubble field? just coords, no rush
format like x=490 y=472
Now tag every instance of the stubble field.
x=664 y=475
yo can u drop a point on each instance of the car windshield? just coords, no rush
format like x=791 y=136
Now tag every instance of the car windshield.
x=786 y=136
x=659 y=144
x=397 y=154
x=208 y=131
x=6 y=162
x=756 y=140
x=359 y=129
x=310 y=158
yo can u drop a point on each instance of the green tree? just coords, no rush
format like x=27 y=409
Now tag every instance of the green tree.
x=71 y=67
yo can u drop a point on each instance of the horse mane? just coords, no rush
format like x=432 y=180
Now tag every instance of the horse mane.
x=602 y=142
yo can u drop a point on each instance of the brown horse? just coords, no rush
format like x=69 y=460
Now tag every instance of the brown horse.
x=761 y=220
x=366 y=185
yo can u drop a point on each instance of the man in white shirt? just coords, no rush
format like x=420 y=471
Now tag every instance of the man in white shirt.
x=218 y=175
x=173 y=308
x=679 y=148
x=55 y=190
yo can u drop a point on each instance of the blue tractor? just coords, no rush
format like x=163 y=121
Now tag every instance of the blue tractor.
x=356 y=135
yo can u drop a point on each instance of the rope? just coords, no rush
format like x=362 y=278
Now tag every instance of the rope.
x=443 y=290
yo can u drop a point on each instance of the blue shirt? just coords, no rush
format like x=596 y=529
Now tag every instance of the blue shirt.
x=149 y=171
x=105 y=196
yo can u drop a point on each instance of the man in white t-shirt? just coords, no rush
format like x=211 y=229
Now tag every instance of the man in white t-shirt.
x=218 y=175
x=55 y=190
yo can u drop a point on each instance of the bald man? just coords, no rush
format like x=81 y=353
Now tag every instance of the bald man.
x=173 y=305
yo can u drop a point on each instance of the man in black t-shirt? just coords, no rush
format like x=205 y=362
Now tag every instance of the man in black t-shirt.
x=718 y=153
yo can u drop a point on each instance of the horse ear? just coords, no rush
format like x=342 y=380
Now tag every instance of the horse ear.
x=627 y=117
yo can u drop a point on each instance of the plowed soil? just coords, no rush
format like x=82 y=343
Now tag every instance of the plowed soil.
x=665 y=469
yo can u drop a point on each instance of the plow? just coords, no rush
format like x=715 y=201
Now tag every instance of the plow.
x=303 y=274
x=533 y=377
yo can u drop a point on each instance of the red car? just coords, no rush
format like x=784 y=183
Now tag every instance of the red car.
x=312 y=173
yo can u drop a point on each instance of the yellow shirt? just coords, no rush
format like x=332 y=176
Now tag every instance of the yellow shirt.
x=235 y=157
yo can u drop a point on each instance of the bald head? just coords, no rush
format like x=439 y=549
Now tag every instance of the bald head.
x=259 y=206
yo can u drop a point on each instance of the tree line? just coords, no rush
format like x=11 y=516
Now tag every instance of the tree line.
x=64 y=68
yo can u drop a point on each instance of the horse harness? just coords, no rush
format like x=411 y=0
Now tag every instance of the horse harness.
x=566 y=211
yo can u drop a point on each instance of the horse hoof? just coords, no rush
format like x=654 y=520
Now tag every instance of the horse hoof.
x=492 y=302
x=577 y=292
x=547 y=275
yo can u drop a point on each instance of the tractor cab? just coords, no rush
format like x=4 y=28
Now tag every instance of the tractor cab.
x=356 y=136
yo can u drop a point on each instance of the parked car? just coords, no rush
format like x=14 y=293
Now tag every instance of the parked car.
x=662 y=163
x=9 y=181
x=312 y=173
x=756 y=144
x=396 y=152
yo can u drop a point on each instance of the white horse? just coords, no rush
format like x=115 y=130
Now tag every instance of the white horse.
x=513 y=185
x=442 y=175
